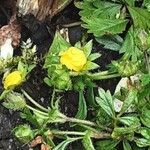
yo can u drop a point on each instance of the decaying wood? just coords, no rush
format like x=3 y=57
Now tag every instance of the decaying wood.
x=41 y=8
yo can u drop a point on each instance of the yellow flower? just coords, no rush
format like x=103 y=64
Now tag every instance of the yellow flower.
x=73 y=59
x=12 y=79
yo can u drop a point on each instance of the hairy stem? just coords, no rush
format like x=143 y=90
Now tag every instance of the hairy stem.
x=102 y=75
x=34 y=102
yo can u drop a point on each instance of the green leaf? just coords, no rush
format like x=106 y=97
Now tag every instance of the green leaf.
x=94 y=56
x=126 y=145
x=59 y=44
x=90 y=66
x=141 y=142
x=129 y=46
x=106 y=102
x=126 y=132
x=112 y=42
x=82 y=108
x=88 y=48
x=130 y=2
x=87 y=142
x=145 y=78
x=145 y=132
x=131 y=97
x=106 y=144
x=130 y=121
x=140 y=16
x=90 y=97
x=64 y=144
x=145 y=117
x=99 y=26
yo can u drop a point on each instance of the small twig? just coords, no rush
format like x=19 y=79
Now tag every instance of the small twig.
x=69 y=25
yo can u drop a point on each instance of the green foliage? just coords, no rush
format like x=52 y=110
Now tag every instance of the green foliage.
x=106 y=102
x=87 y=142
x=82 y=107
x=106 y=144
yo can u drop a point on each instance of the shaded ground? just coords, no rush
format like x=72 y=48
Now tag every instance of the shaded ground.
x=42 y=35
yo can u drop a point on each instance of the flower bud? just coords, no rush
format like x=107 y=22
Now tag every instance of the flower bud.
x=24 y=133
x=12 y=79
x=127 y=68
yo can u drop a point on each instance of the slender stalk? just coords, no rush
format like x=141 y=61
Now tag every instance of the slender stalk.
x=52 y=98
x=34 y=102
x=147 y=61
x=38 y=111
x=101 y=76
x=68 y=133
x=93 y=135
x=72 y=24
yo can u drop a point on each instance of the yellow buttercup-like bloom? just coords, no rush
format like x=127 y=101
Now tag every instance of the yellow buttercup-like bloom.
x=73 y=58
x=12 y=79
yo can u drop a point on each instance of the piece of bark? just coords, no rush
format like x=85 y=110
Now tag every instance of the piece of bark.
x=41 y=8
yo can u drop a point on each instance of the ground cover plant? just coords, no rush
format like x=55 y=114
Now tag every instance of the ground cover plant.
x=104 y=118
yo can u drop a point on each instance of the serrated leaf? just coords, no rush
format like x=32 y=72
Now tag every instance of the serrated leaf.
x=64 y=144
x=141 y=142
x=106 y=144
x=129 y=46
x=130 y=2
x=87 y=142
x=145 y=78
x=100 y=27
x=130 y=120
x=82 y=108
x=119 y=132
x=140 y=16
x=106 y=102
x=145 y=132
x=126 y=145
x=131 y=97
x=145 y=117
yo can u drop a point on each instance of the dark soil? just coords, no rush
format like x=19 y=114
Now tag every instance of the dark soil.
x=42 y=35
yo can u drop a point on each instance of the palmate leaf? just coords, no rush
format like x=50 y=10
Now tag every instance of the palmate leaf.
x=100 y=26
x=106 y=102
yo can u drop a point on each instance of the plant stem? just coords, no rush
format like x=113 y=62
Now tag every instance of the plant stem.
x=34 y=102
x=38 y=111
x=93 y=135
x=68 y=132
x=52 y=98
x=102 y=75
x=147 y=61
